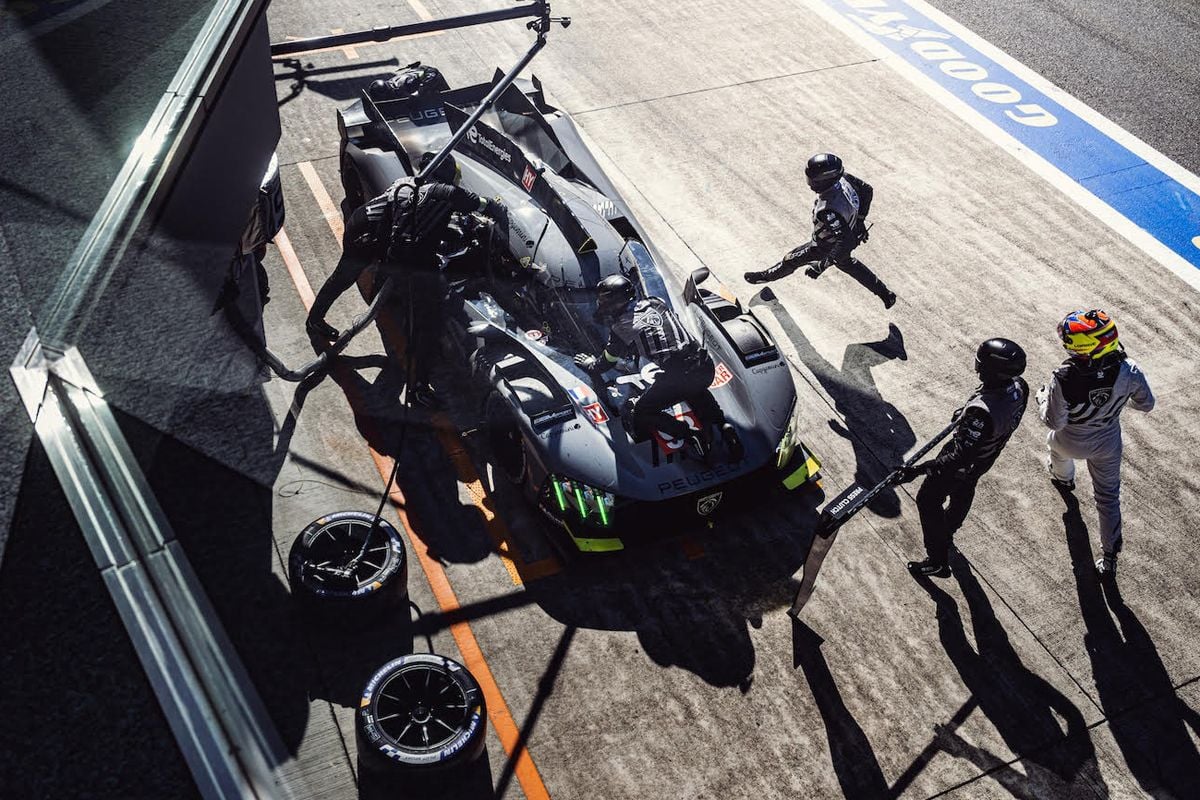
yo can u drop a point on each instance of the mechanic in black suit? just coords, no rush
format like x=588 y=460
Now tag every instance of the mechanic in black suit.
x=393 y=230
x=650 y=329
x=839 y=225
x=985 y=424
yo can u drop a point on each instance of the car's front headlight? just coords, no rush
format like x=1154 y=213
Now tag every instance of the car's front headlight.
x=576 y=499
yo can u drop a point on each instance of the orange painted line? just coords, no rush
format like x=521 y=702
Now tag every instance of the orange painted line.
x=467 y=475
x=290 y=260
x=329 y=209
x=421 y=10
x=497 y=530
x=468 y=646
x=692 y=549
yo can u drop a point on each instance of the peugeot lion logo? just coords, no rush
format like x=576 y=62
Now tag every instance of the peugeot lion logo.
x=708 y=504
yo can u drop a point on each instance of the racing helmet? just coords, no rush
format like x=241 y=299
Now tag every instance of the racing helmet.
x=1088 y=335
x=823 y=171
x=612 y=295
x=447 y=172
x=999 y=358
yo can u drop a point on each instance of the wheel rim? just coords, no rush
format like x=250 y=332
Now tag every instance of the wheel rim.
x=421 y=708
x=336 y=557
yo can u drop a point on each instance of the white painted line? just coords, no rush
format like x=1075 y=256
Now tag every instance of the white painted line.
x=1140 y=238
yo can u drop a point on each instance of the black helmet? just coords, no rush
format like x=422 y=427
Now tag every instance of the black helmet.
x=823 y=171
x=999 y=358
x=447 y=171
x=613 y=294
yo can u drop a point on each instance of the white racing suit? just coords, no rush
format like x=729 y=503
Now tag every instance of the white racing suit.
x=1082 y=407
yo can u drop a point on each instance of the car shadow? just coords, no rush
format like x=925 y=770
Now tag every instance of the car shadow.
x=878 y=432
x=1148 y=719
x=692 y=606
x=1026 y=710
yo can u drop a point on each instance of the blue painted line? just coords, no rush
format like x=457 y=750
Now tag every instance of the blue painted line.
x=1139 y=191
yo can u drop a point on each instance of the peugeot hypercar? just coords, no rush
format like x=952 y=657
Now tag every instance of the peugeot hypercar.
x=523 y=303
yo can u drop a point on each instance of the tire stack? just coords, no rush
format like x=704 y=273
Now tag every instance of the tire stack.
x=422 y=717
x=422 y=721
x=347 y=571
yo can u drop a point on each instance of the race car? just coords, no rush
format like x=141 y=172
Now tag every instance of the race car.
x=524 y=302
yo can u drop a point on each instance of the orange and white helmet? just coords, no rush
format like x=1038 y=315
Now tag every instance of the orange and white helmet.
x=1088 y=334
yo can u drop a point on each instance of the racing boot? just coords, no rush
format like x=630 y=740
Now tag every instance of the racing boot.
x=422 y=395
x=929 y=569
x=1062 y=486
x=321 y=330
x=1106 y=566
x=764 y=276
x=733 y=443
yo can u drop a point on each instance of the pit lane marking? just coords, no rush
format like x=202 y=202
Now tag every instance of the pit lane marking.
x=518 y=570
x=468 y=646
x=1141 y=194
x=329 y=209
x=292 y=262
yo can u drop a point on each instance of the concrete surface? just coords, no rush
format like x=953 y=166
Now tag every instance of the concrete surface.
x=683 y=677
x=673 y=672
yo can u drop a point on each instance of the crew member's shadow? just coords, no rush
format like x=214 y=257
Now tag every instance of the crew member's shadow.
x=854 y=761
x=1152 y=734
x=452 y=530
x=1027 y=712
x=874 y=427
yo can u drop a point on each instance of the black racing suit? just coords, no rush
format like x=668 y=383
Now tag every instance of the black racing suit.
x=650 y=329
x=839 y=226
x=388 y=230
x=990 y=417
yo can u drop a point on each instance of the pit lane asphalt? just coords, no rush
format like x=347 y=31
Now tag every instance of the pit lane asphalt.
x=666 y=675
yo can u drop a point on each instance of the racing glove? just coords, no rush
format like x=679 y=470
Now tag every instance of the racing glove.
x=860 y=231
x=589 y=363
x=493 y=208
x=905 y=474
x=814 y=272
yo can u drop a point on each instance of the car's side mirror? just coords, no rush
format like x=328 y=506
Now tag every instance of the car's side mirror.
x=700 y=275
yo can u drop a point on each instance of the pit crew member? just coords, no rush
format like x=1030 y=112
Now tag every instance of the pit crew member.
x=393 y=231
x=649 y=328
x=985 y=423
x=839 y=226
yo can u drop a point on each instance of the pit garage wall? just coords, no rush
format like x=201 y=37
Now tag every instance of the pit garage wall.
x=153 y=337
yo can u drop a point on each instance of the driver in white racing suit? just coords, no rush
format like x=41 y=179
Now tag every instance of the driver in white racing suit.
x=1082 y=406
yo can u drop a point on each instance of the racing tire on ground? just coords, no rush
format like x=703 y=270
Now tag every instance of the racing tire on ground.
x=504 y=439
x=336 y=580
x=420 y=714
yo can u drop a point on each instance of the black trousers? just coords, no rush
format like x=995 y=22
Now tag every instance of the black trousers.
x=682 y=379
x=812 y=253
x=943 y=502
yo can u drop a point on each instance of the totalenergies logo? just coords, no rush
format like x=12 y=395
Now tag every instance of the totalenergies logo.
x=475 y=137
